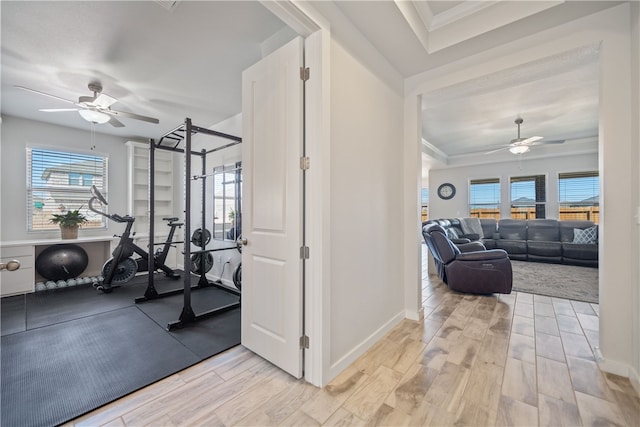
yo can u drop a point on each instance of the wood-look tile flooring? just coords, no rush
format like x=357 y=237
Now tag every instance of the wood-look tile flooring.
x=507 y=360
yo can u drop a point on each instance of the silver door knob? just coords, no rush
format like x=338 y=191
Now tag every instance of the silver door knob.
x=243 y=242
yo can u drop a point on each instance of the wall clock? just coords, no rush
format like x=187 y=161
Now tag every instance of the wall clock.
x=446 y=191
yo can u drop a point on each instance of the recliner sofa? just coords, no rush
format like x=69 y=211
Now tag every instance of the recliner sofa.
x=478 y=271
x=540 y=240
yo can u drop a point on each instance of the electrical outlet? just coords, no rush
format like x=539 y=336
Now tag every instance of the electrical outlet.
x=219 y=259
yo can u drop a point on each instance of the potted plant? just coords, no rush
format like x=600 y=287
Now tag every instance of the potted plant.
x=69 y=222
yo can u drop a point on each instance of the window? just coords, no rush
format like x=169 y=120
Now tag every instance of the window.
x=484 y=198
x=528 y=197
x=424 y=202
x=227 y=188
x=579 y=196
x=58 y=181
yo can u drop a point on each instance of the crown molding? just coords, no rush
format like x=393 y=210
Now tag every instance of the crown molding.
x=465 y=20
x=434 y=152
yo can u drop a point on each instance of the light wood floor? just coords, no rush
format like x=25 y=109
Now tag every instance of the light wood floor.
x=512 y=360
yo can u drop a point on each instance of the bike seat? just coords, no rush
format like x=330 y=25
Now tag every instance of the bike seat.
x=126 y=218
x=172 y=219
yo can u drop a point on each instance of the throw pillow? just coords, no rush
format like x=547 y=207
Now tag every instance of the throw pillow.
x=452 y=233
x=586 y=236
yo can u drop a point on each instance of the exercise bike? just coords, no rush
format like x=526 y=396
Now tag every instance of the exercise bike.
x=122 y=267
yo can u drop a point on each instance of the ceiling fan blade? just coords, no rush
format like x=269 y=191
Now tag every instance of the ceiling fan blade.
x=46 y=94
x=56 y=110
x=115 y=122
x=555 y=141
x=132 y=116
x=104 y=101
x=499 y=149
x=530 y=140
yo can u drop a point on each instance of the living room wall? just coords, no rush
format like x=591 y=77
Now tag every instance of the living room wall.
x=458 y=206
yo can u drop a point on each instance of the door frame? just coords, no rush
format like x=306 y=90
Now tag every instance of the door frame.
x=315 y=31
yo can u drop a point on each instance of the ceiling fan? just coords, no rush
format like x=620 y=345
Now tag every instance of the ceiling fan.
x=521 y=145
x=94 y=109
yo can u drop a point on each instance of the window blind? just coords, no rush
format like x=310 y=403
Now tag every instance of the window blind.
x=59 y=181
x=579 y=188
x=484 y=198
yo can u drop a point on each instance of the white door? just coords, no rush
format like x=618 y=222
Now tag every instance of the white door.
x=272 y=100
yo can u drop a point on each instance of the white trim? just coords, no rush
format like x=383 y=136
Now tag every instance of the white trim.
x=291 y=15
x=458 y=12
x=318 y=204
x=307 y=22
x=433 y=151
x=417 y=316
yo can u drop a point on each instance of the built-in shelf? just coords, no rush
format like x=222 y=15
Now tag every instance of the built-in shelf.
x=139 y=184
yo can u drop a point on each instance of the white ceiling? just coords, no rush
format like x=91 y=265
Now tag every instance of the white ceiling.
x=187 y=62
x=167 y=64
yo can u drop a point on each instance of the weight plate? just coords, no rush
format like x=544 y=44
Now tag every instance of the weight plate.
x=196 y=262
x=125 y=270
x=237 y=277
x=198 y=236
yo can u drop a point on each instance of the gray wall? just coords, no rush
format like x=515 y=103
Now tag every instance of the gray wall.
x=458 y=206
x=17 y=135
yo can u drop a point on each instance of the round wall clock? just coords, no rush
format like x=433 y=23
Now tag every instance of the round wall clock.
x=446 y=191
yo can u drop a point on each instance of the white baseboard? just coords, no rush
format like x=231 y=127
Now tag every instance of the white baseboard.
x=346 y=360
x=212 y=277
x=617 y=368
x=418 y=316
x=634 y=377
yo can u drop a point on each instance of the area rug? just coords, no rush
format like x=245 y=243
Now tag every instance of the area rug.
x=556 y=280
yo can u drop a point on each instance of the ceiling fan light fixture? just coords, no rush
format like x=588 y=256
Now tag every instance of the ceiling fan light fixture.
x=94 y=116
x=519 y=149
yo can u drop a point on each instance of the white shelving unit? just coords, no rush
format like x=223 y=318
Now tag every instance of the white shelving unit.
x=139 y=188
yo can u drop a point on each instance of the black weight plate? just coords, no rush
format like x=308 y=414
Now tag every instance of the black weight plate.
x=195 y=262
x=125 y=270
x=198 y=236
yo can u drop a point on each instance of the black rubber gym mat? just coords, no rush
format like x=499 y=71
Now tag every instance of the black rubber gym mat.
x=207 y=336
x=13 y=317
x=63 y=304
x=83 y=348
x=56 y=373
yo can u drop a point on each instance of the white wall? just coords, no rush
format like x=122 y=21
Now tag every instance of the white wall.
x=617 y=157
x=17 y=134
x=635 y=136
x=366 y=294
x=460 y=177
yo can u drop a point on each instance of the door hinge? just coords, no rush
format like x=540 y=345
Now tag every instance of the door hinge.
x=304 y=73
x=304 y=342
x=304 y=163
x=304 y=252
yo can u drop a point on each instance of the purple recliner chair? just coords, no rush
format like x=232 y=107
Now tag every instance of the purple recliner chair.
x=479 y=271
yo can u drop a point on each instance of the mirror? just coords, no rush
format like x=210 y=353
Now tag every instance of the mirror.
x=227 y=193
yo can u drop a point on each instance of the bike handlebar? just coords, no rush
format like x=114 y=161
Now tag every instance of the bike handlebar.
x=96 y=195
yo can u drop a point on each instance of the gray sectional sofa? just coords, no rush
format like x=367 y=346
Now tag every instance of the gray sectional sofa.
x=538 y=240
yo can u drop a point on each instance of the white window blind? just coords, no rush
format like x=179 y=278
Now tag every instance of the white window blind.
x=484 y=194
x=579 y=195
x=59 y=181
